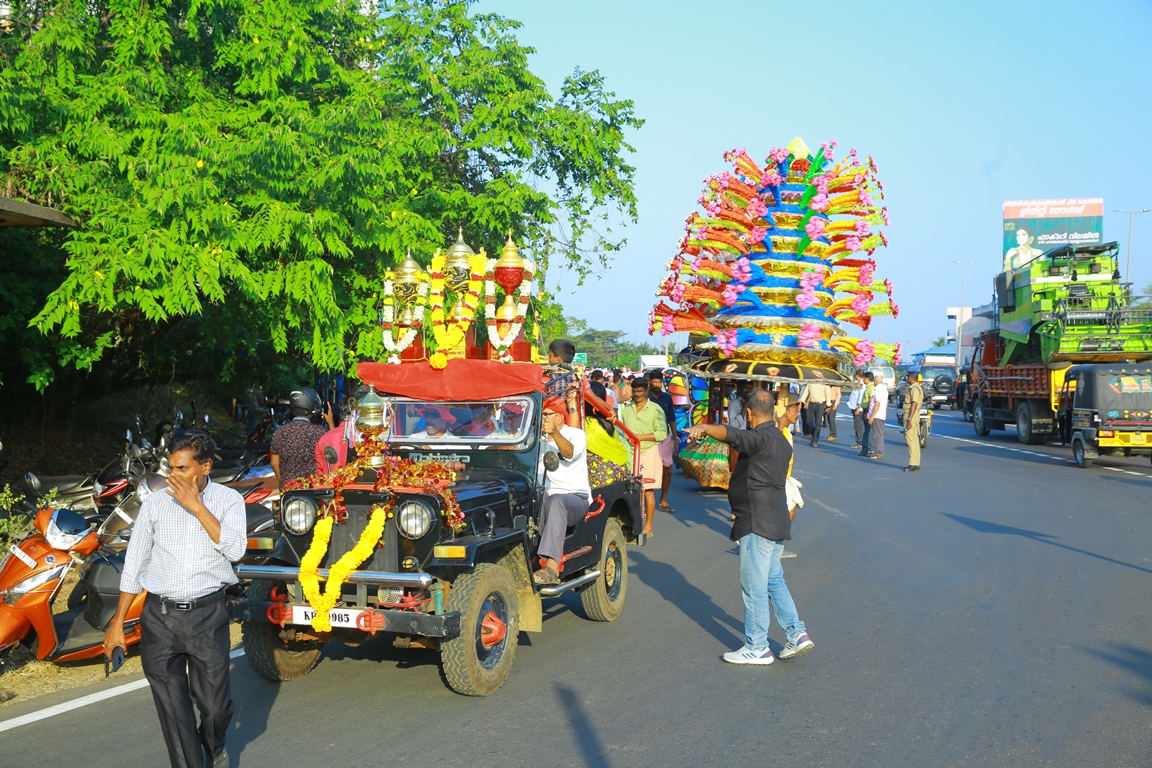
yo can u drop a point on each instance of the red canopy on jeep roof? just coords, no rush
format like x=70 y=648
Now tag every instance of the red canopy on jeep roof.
x=461 y=380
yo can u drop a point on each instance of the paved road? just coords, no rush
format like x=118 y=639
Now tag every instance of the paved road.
x=990 y=610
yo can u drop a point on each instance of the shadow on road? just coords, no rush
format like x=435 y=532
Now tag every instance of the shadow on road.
x=1015 y=453
x=1137 y=661
x=253 y=705
x=587 y=740
x=983 y=526
x=692 y=601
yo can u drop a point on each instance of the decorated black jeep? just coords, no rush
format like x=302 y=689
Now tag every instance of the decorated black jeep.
x=429 y=533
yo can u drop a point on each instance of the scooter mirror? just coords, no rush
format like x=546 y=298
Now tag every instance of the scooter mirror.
x=128 y=435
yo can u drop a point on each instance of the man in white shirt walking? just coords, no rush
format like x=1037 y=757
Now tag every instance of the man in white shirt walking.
x=877 y=413
x=181 y=552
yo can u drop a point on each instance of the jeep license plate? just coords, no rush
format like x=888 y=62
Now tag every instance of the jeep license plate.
x=338 y=617
x=1139 y=438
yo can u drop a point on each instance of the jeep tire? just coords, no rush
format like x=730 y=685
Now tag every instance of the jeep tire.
x=604 y=599
x=271 y=656
x=473 y=663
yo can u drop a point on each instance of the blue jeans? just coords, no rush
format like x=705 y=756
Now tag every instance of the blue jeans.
x=762 y=582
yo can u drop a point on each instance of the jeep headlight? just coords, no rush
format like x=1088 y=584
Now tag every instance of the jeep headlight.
x=299 y=515
x=415 y=518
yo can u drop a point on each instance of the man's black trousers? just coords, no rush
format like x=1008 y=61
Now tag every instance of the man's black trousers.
x=185 y=655
x=817 y=416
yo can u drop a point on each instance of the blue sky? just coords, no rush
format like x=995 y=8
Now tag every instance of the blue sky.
x=963 y=105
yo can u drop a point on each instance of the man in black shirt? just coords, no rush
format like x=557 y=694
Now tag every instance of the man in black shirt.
x=761 y=524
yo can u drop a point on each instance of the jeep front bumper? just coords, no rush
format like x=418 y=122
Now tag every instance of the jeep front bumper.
x=368 y=619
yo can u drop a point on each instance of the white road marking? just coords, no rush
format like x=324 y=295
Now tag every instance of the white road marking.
x=84 y=701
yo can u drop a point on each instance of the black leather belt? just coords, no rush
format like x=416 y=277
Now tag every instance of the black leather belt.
x=167 y=604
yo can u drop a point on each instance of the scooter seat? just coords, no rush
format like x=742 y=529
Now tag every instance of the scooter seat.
x=63 y=483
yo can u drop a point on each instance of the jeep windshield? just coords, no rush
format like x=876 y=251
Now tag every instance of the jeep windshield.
x=458 y=424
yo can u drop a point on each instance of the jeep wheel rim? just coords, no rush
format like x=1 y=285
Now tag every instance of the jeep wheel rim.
x=612 y=572
x=492 y=630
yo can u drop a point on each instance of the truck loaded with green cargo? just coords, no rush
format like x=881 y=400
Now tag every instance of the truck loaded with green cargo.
x=1067 y=307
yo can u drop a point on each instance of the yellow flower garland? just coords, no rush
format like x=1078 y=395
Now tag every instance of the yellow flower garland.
x=447 y=336
x=310 y=563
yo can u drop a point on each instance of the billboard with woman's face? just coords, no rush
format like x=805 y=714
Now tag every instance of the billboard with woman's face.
x=1032 y=227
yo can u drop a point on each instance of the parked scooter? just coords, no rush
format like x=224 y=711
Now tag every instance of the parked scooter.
x=31 y=576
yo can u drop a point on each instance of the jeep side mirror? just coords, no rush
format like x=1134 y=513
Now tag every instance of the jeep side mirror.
x=551 y=461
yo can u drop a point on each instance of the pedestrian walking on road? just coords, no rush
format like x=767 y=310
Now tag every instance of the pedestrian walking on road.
x=856 y=406
x=649 y=423
x=668 y=445
x=759 y=500
x=877 y=413
x=815 y=398
x=181 y=552
x=834 y=395
x=913 y=402
x=866 y=405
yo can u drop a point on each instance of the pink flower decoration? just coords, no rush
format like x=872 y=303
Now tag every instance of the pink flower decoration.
x=862 y=195
x=730 y=293
x=807 y=298
x=778 y=155
x=821 y=183
x=742 y=270
x=727 y=342
x=896 y=357
x=732 y=154
x=852 y=243
x=883 y=236
x=888 y=285
x=852 y=153
x=828 y=151
x=864 y=353
x=756 y=208
x=867 y=270
x=677 y=292
x=895 y=309
x=773 y=179
x=683 y=242
x=809 y=336
x=676 y=264
x=819 y=203
x=861 y=302
x=815 y=227
x=757 y=234
x=863 y=227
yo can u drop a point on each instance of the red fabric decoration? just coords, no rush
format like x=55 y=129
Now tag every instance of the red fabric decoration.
x=556 y=404
x=460 y=380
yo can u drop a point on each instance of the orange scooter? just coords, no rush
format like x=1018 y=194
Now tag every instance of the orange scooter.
x=31 y=576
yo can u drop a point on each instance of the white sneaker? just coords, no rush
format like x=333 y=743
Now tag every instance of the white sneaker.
x=748 y=655
x=798 y=647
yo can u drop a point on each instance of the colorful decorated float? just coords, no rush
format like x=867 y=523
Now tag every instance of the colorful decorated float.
x=777 y=261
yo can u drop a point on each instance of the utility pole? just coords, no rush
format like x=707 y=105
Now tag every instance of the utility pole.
x=960 y=312
x=1128 y=270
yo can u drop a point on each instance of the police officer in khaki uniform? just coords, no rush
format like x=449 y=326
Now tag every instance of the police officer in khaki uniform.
x=913 y=402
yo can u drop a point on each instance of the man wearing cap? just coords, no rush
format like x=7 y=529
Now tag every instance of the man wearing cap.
x=567 y=493
x=913 y=402
x=437 y=419
x=758 y=496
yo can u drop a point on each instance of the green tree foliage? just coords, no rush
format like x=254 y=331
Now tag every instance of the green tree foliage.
x=244 y=172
